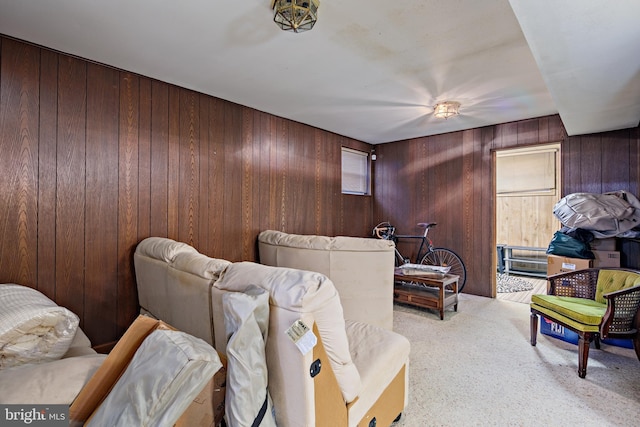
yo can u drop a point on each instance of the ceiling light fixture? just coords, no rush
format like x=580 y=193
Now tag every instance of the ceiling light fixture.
x=295 y=15
x=446 y=109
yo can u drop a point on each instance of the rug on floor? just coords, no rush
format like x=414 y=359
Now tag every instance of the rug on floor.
x=507 y=283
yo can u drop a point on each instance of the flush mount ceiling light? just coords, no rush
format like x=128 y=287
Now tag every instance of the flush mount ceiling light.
x=446 y=109
x=295 y=15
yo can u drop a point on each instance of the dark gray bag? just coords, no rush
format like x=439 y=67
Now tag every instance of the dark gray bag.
x=605 y=215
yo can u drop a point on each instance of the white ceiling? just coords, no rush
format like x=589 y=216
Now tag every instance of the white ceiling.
x=370 y=69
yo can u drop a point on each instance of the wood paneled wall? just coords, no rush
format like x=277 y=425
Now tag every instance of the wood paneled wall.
x=94 y=159
x=448 y=179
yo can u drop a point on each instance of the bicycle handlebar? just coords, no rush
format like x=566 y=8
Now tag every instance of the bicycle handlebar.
x=385 y=230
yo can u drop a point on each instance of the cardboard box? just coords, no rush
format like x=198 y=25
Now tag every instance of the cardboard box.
x=560 y=264
x=606 y=259
x=552 y=329
x=207 y=408
x=608 y=244
x=103 y=380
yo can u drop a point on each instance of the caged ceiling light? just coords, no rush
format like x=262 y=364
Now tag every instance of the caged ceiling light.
x=295 y=15
x=446 y=109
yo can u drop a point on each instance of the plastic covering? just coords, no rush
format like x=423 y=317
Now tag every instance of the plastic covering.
x=33 y=329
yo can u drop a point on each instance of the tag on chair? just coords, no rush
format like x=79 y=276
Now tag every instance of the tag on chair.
x=302 y=336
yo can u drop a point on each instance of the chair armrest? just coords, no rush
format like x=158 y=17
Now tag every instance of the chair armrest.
x=622 y=310
x=579 y=284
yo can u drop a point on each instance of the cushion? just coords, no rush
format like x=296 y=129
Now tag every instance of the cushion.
x=166 y=373
x=56 y=382
x=200 y=265
x=80 y=346
x=582 y=310
x=338 y=243
x=614 y=280
x=304 y=293
x=379 y=355
x=33 y=329
x=246 y=319
x=162 y=248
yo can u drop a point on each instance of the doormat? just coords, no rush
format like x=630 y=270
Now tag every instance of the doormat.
x=506 y=283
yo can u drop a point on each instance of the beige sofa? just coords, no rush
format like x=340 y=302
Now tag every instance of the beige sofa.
x=356 y=372
x=361 y=269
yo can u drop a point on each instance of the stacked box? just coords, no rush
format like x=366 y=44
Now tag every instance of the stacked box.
x=608 y=244
x=606 y=259
x=557 y=264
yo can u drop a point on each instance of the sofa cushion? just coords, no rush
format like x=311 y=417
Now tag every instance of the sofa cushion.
x=379 y=355
x=33 y=329
x=614 y=280
x=166 y=373
x=342 y=243
x=305 y=293
x=80 y=346
x=162 y=249
x=168 y=271
x=56 y=382
x=581 y=310
x=200 y=265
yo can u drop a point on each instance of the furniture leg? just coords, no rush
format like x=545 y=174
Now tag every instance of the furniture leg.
x=636 y=344
x=597 y=341
x=533 y=326
x=583 y=353
x=455 y=290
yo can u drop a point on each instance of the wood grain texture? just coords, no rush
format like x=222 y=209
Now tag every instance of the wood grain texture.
x=47 y=174
x=459 y=192
x=130 y=167
x=71 y=185
x=101 y=202
x=95 y=159
x=19 y=94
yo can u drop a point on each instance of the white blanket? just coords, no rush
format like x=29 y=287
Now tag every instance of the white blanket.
x=33 y=329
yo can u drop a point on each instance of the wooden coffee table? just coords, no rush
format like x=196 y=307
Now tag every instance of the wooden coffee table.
x=426 y=291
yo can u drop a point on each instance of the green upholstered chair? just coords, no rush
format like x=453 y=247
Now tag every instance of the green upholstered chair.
x=594 y=303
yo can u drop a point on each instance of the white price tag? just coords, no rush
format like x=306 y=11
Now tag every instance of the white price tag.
x=302 y=336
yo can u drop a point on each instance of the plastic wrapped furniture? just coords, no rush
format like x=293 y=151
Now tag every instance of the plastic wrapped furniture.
x=356 y=372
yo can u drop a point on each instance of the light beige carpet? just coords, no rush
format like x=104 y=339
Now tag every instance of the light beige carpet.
x=477 y=368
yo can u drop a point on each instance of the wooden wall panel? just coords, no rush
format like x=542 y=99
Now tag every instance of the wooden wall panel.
x=46 y=230
x=71 y=189
x=461 y=188
x=159 y=173
x=130 y=167
x=19 y=90
x=101 y=202
x=95 y=159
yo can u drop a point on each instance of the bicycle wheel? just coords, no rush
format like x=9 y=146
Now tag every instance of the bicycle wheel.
x=447 y=258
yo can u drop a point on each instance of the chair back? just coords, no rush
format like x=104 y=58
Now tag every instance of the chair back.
x=174 y=284
x=614 y=280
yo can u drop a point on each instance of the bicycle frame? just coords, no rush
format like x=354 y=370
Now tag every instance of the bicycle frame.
x=427 y=254
x=425 y=243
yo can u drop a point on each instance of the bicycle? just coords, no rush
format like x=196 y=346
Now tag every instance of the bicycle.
x=433 y=256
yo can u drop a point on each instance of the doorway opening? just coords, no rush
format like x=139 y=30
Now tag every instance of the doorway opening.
x=527 y=188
